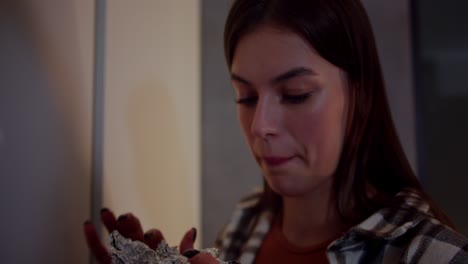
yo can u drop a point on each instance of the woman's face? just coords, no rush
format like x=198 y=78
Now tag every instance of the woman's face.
x=292 y=106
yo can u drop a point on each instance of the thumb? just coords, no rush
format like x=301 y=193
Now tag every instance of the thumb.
x=203 y=259
x=95 y=245
x=188 y=240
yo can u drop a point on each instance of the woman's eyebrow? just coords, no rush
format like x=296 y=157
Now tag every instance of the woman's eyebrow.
x=292 y=73
x=237 y=78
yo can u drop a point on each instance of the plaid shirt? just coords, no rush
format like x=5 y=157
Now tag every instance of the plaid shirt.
x=402 y=234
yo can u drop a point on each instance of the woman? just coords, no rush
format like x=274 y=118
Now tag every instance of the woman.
x=312 y=105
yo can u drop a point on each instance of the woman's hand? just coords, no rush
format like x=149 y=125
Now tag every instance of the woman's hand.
x=129 y=226
x=203 y=258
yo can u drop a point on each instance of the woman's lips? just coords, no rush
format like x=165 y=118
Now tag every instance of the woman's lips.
x=276 y=161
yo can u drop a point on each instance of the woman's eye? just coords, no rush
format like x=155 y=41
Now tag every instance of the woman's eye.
x=295 y=99
x=248 y=101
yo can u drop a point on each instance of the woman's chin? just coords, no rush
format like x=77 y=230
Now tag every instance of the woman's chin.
x=286 y=189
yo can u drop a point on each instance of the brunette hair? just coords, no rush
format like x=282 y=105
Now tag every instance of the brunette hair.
x=372 y=156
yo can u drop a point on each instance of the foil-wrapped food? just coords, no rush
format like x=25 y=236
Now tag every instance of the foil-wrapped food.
x=127 y=251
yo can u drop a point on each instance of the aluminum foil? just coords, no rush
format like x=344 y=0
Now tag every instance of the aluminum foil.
x=126 y=251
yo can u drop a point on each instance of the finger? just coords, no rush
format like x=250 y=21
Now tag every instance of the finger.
x=191 y=253
x=129 y=226
x=95 y=245
x=187 y=241
x=153 y=237
x=203 y=258
x=109 y=220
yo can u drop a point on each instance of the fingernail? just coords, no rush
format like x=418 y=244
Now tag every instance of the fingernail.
x=87 y=222
x=148 y=236
x=122 y=218
x=190 y=253
x=194 y=234
x=104 y=210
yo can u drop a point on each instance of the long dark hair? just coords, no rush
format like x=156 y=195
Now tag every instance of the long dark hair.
x=372 y=156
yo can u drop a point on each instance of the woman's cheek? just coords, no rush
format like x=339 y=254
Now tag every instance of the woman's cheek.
x=245 y=120
x=328 y=138
x=316 y=133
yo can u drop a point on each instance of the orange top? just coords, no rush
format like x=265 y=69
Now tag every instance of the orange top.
x=277 y=249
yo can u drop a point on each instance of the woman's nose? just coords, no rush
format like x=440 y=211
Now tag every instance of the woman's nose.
x=266 y=118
